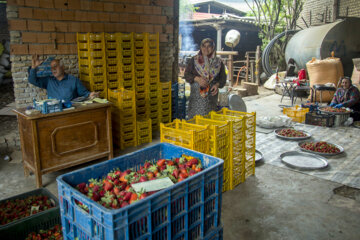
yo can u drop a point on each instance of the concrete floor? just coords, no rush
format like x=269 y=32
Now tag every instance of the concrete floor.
x=276 y=203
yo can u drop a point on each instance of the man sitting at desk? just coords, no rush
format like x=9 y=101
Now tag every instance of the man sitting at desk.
x=60 y=85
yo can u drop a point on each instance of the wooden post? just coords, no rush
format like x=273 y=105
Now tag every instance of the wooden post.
x=231 y=69
x=247 y=67
x=252 y=71
x=257 y=65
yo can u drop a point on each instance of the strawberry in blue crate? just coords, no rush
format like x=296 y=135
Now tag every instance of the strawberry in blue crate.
x=119 y=189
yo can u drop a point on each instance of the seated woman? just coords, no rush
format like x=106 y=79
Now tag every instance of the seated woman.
x=347 y=96
x=206 y=74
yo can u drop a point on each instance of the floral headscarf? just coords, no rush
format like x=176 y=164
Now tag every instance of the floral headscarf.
x=207 y=66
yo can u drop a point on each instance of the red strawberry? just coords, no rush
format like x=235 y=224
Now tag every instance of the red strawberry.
x=95 y=188
x=108 y=186
x=161 y=162
x=102 y=193
x=150 y=175
x=127 y=196
x=117 y=191
x=116 y=182
x=124 y=204
x=81 y=186
x=95 y=196
x=143 y=179
x=176 y=173
x=192 y=172
x=143 y=195
x=147 y=165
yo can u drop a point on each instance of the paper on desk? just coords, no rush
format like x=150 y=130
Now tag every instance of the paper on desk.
x=153 y=185
x=100 y=100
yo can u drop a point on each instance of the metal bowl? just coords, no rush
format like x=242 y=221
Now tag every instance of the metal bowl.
x=303 y=161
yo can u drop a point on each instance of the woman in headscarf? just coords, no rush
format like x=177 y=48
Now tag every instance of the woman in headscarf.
x=347 y=96
x=206 y=74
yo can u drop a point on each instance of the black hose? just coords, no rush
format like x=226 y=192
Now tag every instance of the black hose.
x=266 y=53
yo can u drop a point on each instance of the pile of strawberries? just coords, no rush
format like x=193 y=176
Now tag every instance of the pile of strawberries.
x=115 y=191
x=289 y=132
x=322 y=147
x=11 y=210
x=53 y=233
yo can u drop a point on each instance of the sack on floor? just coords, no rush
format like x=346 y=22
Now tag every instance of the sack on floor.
x=328 y=70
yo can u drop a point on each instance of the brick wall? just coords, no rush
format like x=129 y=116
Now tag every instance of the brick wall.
x=319 y=12
x=49 y=27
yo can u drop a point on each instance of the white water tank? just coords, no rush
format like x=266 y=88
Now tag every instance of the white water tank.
x=232 y=38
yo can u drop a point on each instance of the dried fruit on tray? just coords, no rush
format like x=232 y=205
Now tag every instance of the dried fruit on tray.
x=53 y=233
x=11 y=210
x=335 y=110
x=321 y=147
x=289 y=132
x=115 y=189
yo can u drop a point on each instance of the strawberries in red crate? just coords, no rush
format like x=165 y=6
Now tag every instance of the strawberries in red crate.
x=115 y=189
x=11 y=210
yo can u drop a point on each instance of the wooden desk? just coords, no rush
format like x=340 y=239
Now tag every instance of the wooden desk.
x=55 y=141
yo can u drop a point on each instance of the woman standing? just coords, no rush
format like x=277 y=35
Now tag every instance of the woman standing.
x=206 y=74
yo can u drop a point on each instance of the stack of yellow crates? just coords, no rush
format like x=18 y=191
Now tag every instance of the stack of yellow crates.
x=92 y=62
x=152 y=73
x=112 y=61
x=219 y=142
x=123 y=117
x=231 y=137
x=124 y=47
x=165 y=102
x=141 y=86
x=249 y=141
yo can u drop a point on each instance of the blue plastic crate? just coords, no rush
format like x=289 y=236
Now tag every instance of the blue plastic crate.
x=190 y=209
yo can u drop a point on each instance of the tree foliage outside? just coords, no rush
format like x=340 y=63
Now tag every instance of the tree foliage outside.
x=274 y=17
x=186 y=9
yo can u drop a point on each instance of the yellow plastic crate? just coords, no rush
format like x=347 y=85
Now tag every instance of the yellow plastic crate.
x=139 y=44
x=187 y=135
x=128 y=84
x=96 y=37
x=219 y=143
x=126 y=68
x=112 y=68
x=126 y=60
x=140 y=74
x=98 y=87
x=113 y=85
x=82 y=37
x=154 y=80
x=126 y=76
x=139 y=36
x=139 y=59
x=111 y=53
x=110 y=45
x=123 y=99
x=139 y=52
x=110 y=36
x=112 y=60
x=112 y=77
x=140 y=81
x=91 y=78
x=296 y=113
x=139 y=66
x=153 y=59
x=237 y=136
x=144 y=131
x=125 y=37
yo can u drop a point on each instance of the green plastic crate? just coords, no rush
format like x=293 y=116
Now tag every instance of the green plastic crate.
x=20 y=229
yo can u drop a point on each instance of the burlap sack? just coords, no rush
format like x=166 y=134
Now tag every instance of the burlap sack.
x=355 y=78
x=328 y=70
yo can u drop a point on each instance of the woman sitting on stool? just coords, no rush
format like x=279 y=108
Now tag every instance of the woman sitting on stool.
x=347 y=96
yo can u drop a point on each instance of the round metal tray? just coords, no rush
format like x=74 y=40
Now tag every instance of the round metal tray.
x=308 y=135
x=258 y=155
x=303 y=161
x=334 y=113
x=320 y=153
